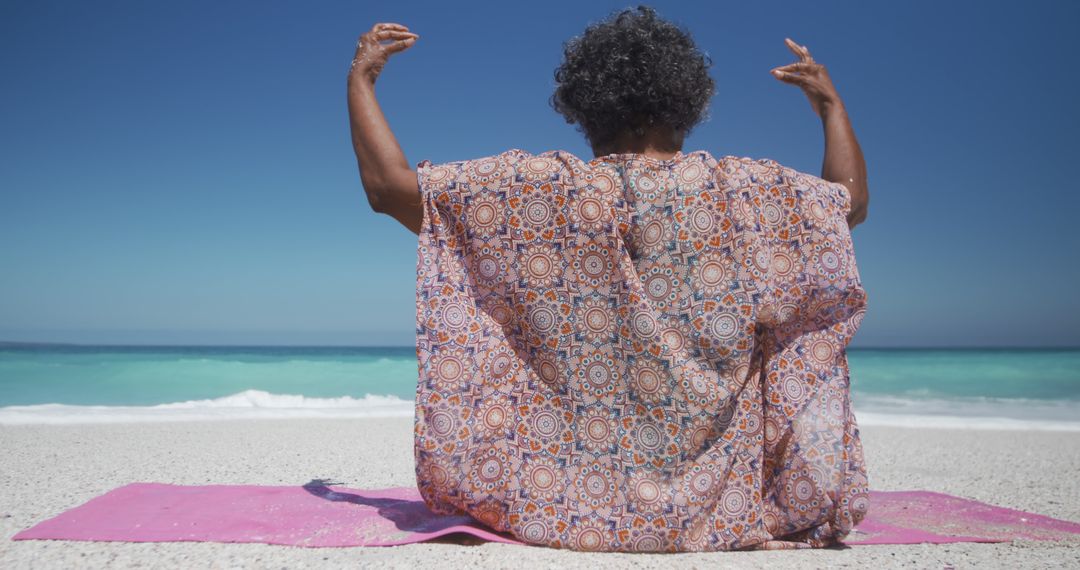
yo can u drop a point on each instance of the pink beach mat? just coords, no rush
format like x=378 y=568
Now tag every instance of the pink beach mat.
x=322 y=514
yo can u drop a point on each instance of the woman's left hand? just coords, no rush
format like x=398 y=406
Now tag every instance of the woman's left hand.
x=372 y=55
x=389 y=181
x=811 y=76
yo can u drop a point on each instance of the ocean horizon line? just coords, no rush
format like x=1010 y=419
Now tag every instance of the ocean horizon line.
x=22 y=343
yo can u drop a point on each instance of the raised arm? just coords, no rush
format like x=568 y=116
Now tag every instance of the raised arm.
x=843 y=161
x=388 y=178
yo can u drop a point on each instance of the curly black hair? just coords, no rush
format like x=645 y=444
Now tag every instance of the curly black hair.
x=632 y=72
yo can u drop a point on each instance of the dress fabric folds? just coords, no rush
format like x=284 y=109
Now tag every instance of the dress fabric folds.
x=635 y=354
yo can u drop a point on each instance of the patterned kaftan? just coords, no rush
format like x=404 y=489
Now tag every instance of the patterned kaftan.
x=636 y=354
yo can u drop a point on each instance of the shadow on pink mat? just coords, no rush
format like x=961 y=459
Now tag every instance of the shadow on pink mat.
x=322 y=514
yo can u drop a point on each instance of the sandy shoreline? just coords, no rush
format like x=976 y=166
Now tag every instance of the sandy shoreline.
x=47 y=469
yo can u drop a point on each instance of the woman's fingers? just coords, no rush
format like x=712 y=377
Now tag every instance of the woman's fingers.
x=794 y=47
x=799 y=71
x=790 y=77
x=394 y=35
x=400 y=39
x=389 y=32
x=398 y=45
x=388 y=25
x=799 y=50
x=800 y=66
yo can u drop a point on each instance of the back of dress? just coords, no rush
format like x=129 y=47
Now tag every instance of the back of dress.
x=637 y=354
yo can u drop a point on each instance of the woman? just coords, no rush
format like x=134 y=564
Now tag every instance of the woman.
x=644 y=351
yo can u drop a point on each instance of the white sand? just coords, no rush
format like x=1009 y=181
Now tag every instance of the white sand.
x=47 y=469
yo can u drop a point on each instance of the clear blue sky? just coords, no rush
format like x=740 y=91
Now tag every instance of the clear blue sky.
x=182 y=172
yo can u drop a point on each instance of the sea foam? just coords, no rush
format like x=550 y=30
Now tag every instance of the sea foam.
x=962 y=422
x=249 y=404
x=870 y=410
x=968 y=412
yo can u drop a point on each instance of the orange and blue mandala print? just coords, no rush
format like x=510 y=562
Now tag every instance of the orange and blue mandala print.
x=636 y=354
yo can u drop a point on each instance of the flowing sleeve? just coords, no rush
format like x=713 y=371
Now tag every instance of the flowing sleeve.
x=463 y=209
x=812 y=304
x=466 y=323
x=812 y=281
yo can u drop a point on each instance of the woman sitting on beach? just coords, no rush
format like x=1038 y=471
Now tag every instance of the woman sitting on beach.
x=645 y=351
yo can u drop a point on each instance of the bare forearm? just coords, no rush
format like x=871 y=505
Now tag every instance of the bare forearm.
x=389 y=181
x=844 y=161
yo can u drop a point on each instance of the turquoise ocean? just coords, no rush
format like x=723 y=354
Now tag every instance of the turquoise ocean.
x=967 y=388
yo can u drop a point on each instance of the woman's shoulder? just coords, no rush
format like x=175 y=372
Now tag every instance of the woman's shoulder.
x=515 y=162
x=730 y=162
x=503 y=169
x=555 y=165
x=771 y=176
x=764 y=170
x=515 y=158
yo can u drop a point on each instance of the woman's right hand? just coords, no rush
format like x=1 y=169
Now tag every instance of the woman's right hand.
x=844 y=161
x=811 y=76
